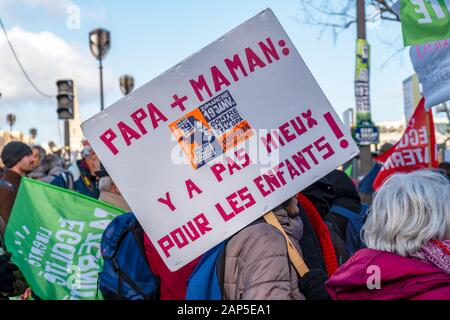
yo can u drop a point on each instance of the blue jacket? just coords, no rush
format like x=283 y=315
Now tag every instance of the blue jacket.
x=366 y=184
x=79 y=179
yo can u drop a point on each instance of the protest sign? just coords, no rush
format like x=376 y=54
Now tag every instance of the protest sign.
x=220 y=139
x=431 y=62
x=424 y=20
x=54 y=236
x=412 y=151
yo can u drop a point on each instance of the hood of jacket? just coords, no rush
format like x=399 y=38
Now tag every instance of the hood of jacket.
x=345 y=194
x=401 y=278
x=291 y=223
x=322 y=194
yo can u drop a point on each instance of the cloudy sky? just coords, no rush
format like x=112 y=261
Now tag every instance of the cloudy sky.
x=149 y=37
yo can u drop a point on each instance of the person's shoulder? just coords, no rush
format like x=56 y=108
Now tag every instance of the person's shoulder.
x=7 y=186
x=259 y=239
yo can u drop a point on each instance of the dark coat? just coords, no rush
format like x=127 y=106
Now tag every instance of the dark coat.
x=346 y=196
x=8 y=191
x=84 y=182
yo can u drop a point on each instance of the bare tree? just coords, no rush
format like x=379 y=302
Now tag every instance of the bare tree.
x=337 y=15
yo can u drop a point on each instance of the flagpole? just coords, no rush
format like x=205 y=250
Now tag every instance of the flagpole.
x=430 y=152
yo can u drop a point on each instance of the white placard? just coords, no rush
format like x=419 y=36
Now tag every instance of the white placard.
x=249 y=93
x=431 y=62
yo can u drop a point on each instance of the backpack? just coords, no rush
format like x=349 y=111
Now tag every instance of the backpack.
x=69 y=180
x=355 y=222
x=126 y=274
x=206 y=281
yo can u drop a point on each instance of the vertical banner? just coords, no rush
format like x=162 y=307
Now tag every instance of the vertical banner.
x=54 y=236
x=362 y=92
x=365 y=132
x=424 y=21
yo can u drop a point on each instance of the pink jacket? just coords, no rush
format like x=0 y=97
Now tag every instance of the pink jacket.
x=400 y=278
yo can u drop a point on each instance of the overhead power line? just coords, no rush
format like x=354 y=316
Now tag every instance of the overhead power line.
x=20 y=64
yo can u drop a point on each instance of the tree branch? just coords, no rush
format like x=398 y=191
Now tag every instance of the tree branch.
x=337 y=15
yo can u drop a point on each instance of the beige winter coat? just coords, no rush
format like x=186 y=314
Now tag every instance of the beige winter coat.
x=114 y=199
x=257 y=265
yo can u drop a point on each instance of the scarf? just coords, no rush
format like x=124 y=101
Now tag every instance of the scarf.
x=322 y=232
x=436 y=253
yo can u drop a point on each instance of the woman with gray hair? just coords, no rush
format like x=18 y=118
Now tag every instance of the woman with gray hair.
x=407 y=235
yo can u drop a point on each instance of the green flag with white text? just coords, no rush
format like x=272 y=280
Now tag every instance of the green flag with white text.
x=424 y=21
x=54 y=236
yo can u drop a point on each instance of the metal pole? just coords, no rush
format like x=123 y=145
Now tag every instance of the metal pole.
x=430 y=146
x=361 y=19
x=101 y=84
x=67 y=139
x=365 y=156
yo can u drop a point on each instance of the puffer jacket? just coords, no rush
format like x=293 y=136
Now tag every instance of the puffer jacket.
x=257 y=265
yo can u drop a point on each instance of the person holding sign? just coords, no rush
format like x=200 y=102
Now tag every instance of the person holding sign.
x=257 y=264
x=407 y=235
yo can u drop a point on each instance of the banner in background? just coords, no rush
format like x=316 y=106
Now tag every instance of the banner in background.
x=424 y=21
x=411 y=152
x=54 y=236
x=431 y=62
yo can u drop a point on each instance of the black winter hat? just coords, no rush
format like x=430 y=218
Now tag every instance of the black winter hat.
x=13 y=152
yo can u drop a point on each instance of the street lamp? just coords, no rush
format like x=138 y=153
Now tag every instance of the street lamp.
x=51 y=146
x=11 y=119
x=33 y=133
x=126 y=83
x=99 y=43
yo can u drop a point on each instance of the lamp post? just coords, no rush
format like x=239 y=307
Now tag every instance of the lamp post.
x=126 y=83
x=99 y=43
x=364 y=125
x=11 y=119
x=33 y=133
x=51 y=146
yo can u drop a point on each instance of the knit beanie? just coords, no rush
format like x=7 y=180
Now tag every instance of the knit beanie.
x=13 y=152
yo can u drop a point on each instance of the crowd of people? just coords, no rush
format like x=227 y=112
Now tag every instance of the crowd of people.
x=356 y=243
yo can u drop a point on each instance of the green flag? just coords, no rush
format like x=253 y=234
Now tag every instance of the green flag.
x=424 y=21
x=54 y=236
